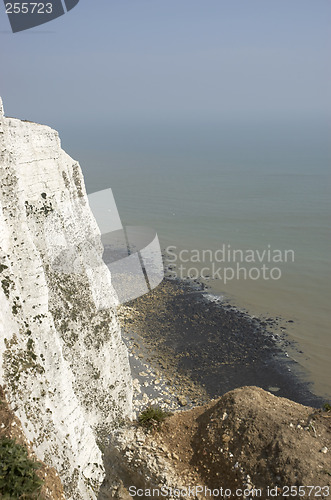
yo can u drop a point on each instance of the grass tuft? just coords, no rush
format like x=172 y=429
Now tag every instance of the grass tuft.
x=18 y=477
x=152 y=417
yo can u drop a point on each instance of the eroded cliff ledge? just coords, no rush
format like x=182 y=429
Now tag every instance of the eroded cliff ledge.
x=63 y=363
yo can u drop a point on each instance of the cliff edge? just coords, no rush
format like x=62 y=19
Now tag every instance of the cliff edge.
x=246 y=444
x=63 y=365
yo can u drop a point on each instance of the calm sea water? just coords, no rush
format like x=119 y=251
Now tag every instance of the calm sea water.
x=262 y=187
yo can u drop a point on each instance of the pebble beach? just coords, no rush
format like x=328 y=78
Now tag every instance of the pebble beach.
x=186 y=347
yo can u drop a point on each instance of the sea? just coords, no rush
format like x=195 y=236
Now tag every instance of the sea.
x=228 y=195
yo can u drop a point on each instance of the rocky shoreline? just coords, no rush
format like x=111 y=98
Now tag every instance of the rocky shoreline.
x=186 y=349
x=196 y=357
x=219 y=372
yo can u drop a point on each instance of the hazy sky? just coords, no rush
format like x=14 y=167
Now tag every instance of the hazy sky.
x=160 y=61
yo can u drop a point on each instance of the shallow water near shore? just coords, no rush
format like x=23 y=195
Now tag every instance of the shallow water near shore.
x=250 y=189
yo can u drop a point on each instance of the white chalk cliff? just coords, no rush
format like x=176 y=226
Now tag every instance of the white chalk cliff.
x=62 y=360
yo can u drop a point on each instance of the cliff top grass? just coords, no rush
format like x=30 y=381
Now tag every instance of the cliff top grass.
x=152 y=417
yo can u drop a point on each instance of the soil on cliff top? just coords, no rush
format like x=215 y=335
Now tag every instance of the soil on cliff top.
x=250 y=438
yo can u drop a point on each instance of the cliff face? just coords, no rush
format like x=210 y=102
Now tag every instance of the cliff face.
x=63 y=363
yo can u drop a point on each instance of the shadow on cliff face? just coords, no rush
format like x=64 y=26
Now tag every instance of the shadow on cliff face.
x=119 y=477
